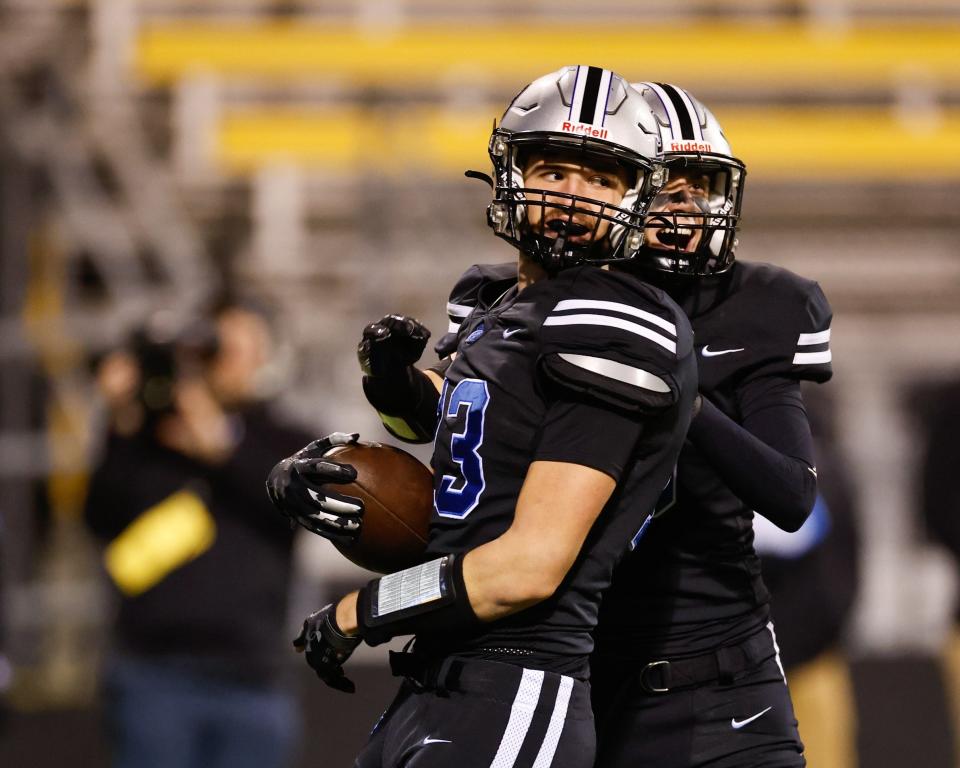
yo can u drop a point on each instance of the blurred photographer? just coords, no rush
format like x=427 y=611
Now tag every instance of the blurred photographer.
x=200 y=561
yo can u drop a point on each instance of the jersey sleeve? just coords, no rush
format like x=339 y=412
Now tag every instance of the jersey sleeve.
x=615 y=341
x=591 y=434
x=798 y=329
x=465 y=296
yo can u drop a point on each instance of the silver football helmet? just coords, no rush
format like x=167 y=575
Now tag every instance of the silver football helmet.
x=693 y=221
x=595 y=117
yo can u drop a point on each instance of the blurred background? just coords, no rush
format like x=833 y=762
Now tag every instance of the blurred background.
x=157 y=156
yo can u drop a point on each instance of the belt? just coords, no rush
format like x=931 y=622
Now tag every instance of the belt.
x=443 y=675
x=423 y=674
x=722 y=665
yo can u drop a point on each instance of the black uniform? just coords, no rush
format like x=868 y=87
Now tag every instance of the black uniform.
x=591 y=368
x=692 y=590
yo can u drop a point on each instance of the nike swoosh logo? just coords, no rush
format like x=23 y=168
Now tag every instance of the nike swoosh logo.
x=714 y=353
x=428 y=740
x=738 y=724
x=510 y=331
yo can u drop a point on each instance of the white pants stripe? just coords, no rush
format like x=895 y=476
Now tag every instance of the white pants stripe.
x=521 y=713
x=776 y=648
x=557 y=719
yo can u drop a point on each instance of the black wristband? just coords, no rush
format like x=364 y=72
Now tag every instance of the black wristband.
x=427 y=599
x=336 y=637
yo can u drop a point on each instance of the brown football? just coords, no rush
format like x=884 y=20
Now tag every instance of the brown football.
x=397 y=493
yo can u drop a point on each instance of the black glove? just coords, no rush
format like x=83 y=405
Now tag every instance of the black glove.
x=327 y=648
x=296 y=488
x=391 y=345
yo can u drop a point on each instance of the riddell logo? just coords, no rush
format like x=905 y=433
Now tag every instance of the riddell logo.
x=690 y=146
x=589 y=130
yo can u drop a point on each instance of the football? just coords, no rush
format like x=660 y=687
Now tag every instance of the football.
x=397 y=494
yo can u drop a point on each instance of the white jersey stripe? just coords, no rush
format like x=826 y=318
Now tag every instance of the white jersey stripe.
x=811 y=358
x=806 y=339
x=614 y=322
x=557 y=719
x=618 y=371
x=458 y=310
x=613 y=306
x=521 y=714
x=453 y=327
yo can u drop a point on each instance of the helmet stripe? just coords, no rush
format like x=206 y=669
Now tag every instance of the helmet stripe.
x=606 y=86
x=683 y=113
x=591 y=93
x=671 y=113
x=576 y=85
x=695 y=116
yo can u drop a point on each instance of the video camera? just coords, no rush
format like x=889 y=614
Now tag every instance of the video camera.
x=166 y=356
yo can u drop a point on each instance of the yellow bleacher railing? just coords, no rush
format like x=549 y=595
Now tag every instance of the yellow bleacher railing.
x=827 y=144
x=780 y=55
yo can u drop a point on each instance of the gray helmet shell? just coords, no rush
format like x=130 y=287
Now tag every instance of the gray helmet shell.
x=692 y=139
x=580 y=109
x=586 y=101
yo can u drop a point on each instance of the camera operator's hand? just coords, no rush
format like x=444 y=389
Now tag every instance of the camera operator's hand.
x=391 y=344
x=327 y=648
x=118 y=377
x=299 y=487
x=198 y=427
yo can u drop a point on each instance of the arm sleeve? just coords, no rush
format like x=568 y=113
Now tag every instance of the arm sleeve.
x=768 y=461
x=406 y=403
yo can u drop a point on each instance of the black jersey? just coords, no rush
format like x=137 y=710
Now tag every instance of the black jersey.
x=693 y=581
x=589 y=367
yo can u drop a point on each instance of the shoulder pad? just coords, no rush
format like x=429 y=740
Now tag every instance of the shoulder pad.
x=613 y=338
x=796 y=317
x=465 y=296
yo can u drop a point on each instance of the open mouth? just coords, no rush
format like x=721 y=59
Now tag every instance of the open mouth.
x=678 y=238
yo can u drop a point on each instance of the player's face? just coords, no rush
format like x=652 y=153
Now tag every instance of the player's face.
x=571 y=174
x=687 y=191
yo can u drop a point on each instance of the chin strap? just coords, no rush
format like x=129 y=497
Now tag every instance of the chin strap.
x=480 y=176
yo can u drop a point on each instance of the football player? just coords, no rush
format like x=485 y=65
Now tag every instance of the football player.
x=569 y=395
x=686 y=670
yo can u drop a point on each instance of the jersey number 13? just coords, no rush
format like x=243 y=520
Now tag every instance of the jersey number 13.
x=458 y=494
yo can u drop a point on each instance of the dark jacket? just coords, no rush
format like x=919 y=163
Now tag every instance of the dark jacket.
x=225 y=609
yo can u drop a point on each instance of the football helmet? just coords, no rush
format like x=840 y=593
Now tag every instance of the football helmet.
x=692 y=223
x=592 y=116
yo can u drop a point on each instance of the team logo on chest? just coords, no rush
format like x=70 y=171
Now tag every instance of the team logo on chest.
x=475 y=334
